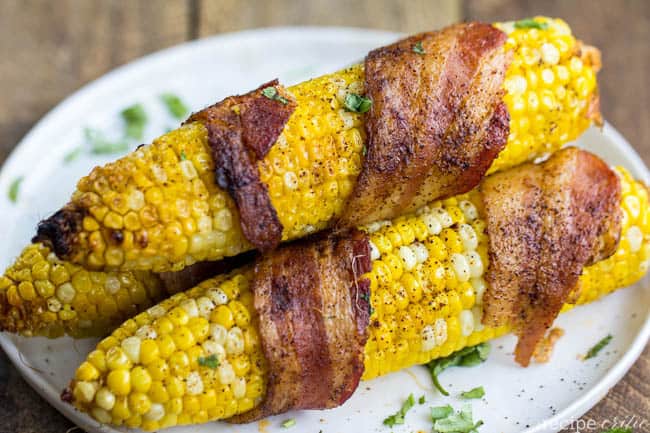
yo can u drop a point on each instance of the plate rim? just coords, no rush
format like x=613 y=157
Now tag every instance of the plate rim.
x=572 y=412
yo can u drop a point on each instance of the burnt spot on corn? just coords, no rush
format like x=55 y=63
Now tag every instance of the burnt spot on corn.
x=60 y=231
x=117 y=236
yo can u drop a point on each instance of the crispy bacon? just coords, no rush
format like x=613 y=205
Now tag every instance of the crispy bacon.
x=545 y=223
x=314 y=310
x=241 y=130
x=436 y=123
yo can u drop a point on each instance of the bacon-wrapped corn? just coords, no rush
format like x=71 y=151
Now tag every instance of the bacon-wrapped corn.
x=196 y=357
x=160 y=209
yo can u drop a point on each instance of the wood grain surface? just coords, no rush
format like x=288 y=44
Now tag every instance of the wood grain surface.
x=51 y=48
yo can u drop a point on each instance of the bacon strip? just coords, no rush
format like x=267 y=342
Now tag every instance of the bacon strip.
x=436 y=123
x=314 y=310
x=241 y=130
x=545 y=223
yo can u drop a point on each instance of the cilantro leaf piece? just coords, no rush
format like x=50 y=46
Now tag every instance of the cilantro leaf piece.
x=135 y=119
x=100 y=145
x=529 y=23
x=211 y=361
x=598 y=347
x=467 y=357
x=421 y=400
x=273 y=94
x=457 y=422
x=72 y=155
x=417 y=48
x=398 y=417
x=174 y=105
x=619 y=430
x=14 y=189
x=477 y=392
x=356 y=103
x=441 y=412
x=289 y=423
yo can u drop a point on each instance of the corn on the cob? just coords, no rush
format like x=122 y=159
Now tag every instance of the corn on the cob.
x=164 y=201
x=197 y=357
x=42 y=295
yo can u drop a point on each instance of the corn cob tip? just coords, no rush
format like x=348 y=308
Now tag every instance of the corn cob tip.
x=59 y=231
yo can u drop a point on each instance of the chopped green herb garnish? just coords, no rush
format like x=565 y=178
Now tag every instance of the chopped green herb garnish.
x=619 y=430
x=100 y=145
x=289 y=423
x=364 y=150
x=14 y=188
x=421 y=400
x=417 y=48
x=357 y=103
x=477 y=392
x=209 y=361
x=441 y=412
x=183 y=155
x=398 y=417
x=598 y=347
x=135 y=120
x=272 y=93
x=467 y=357
x=445 y=420
x=72 y=155
x=530 y=23
x=174 y=105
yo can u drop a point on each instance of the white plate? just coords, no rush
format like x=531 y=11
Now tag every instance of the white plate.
x=540 y=398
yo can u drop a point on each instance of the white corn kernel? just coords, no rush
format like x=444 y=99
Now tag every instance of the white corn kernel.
x=188 y=169
x=408 y=258
x=112 y=284
x=204 y=224
x=223 y=220
x=469 y=210
x=468 y=237
x=374 y=251
x=54 y=305
x=634 y=238
x=373 y=227
x=158 y=173
x=440 y=331
x=235 y=341
x=218 y=333
x=421 y=252
x=146 y=332
x=211 y=347
x=475 y=264
x=239 y=388
x=205 y=306
x=226 y=373
x=466 y=320
x=155 y=413
x=428 y=338
x=131 y=347
x=190 y=307
x=217 y=296
x=460 y=266
x=194 y=383
x=65 y=293
x=156 y=311
x=443 y=216
x=515 y=85
x=433 y=223
x=550 y=54
x=290 y=180
x=136 y=200
x=105 y=399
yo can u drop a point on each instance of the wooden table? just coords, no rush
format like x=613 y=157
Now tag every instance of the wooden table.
x=51 y=48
